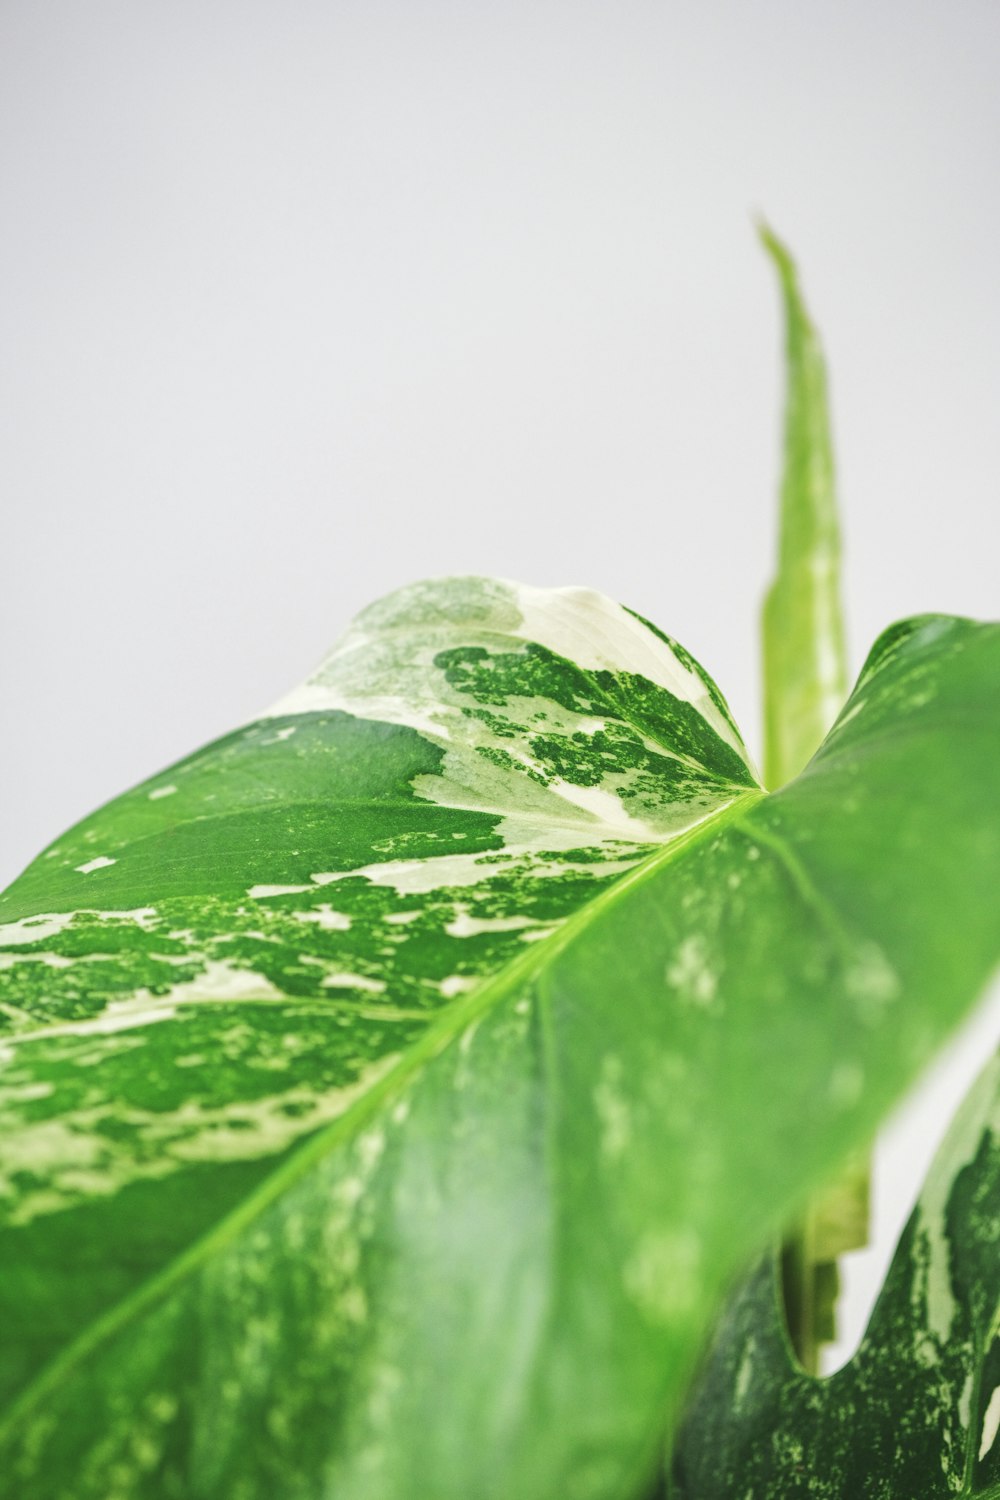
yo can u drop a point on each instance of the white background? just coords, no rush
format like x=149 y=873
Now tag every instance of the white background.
x=301 y=301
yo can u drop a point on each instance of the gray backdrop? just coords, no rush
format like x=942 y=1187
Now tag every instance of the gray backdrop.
x=300 y=301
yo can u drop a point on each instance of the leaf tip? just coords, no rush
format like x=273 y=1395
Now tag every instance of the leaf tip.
x=781 y=258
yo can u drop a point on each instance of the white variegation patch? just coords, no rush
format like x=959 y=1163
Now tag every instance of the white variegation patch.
x=582 y=625
x=72 y=1160
x=981 y=1111
x=596 y=633
x=463 y=924
x=991 y=1423
x=383 y=669
x=218 y=982
x=49 y=924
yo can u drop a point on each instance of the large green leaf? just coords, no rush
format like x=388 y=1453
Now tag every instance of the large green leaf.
x=392 y=1087
x=227 y=957
x=916 y=1411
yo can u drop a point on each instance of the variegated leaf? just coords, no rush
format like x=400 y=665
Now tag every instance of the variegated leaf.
x=916 y=1412
x=229 y=956
x=390 y=1088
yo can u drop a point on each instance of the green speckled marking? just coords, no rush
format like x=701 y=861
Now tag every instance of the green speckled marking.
x=915 y=1413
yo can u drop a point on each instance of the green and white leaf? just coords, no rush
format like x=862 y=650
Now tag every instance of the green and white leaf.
x=917 y=1410
x=390 y=1089
x=227 y=957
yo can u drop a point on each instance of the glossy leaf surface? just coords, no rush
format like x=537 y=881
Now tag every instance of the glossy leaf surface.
x=222 y=960
x=917 y=1410
x=392 y=1087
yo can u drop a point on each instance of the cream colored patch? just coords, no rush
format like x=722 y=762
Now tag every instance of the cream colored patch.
x=691 y=973
x=100 y=863
x=597 y=634
x=465 y=925
x=50 y=924
x=76 y=1160
x=991 y=1423
x=325 y=918
x=744 y=1374
x=219 y=982
x=456 y=984
x=416 y=876
x=347 y=981
x=977 y=1114
x=53 y=960
x=35 y=929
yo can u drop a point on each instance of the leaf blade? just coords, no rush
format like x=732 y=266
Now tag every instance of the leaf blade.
x=466 y=1328
x=443 y=789
x=914 y=1411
